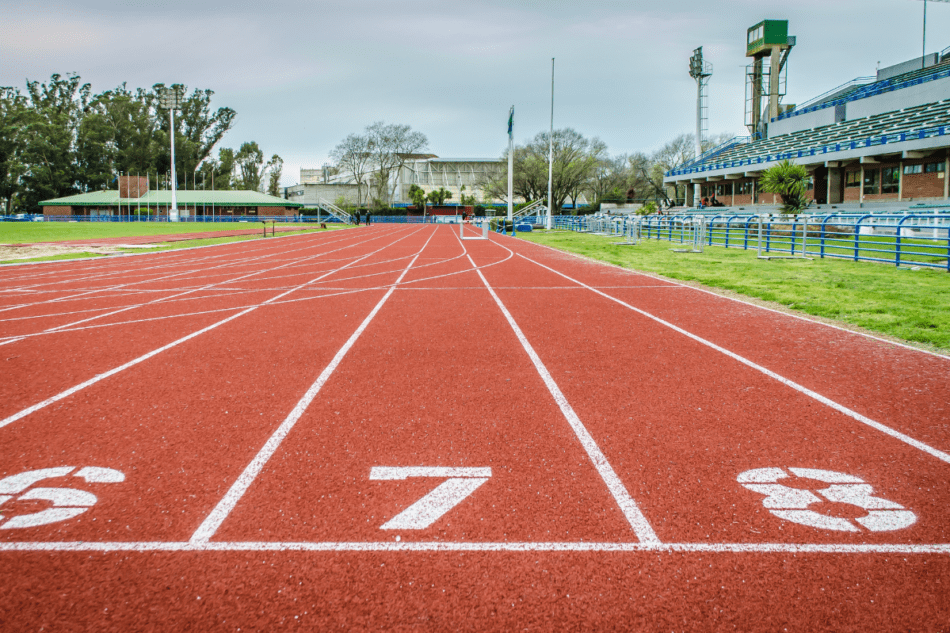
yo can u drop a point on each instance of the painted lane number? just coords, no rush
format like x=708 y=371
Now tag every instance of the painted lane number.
x=792 y=504
x=459 y=484
x=67 y=502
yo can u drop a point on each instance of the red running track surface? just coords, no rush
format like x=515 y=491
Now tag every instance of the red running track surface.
x=392 y=428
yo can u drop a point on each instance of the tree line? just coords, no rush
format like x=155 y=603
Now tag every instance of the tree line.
x=58 y=139
x=583 y=169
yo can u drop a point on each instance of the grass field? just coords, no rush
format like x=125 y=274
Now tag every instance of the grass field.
x=913 y=305
x=29 y=232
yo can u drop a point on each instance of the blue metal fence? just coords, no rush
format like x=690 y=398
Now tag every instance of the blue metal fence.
x=913 y=239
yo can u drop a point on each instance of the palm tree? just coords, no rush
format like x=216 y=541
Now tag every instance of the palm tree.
x=787 y=180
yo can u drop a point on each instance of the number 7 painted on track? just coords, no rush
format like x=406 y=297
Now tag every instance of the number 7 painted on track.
x=460 y=484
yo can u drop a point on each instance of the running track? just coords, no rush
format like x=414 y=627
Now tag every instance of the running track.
x=391 y=428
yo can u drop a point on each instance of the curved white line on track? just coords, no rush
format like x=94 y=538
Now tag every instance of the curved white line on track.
x=317 y=287
x=942 y=456
x=71 y=326
x=65 y=394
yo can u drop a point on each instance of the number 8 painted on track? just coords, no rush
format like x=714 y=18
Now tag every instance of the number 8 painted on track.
x=792 y=504
x=67 y=502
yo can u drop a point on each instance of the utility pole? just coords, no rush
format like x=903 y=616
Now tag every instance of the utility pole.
x=551 y=154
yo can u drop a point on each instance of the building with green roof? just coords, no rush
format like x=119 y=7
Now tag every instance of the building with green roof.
x=133 y=198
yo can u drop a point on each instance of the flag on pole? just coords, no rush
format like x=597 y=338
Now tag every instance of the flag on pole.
x=511 y=120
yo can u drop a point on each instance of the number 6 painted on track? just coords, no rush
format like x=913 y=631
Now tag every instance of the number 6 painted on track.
x=67 y=502
x=460 y=484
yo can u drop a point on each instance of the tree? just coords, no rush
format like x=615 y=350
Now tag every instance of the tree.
x=52 y=121
x=353 y=156
x=575 y=158
x=438 y=196
x=251 y=168
x=418 y=196
x=12 y=144
x=391 y=146
x=608 y=181
x=276 y=170
x=788 y=180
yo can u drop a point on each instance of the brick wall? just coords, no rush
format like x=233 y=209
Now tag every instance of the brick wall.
x=924 y=185
x=287 y=212
x=57 y=211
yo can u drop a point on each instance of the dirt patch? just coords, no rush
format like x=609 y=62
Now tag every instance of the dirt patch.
x=9 y=252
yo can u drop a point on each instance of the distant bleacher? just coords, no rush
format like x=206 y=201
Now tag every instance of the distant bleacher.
x=864 y=90
x=923 y=121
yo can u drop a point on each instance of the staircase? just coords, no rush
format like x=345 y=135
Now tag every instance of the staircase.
x=535 y=208
x=335 y=211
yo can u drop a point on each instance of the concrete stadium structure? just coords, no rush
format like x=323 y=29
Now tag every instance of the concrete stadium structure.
x=882 y=139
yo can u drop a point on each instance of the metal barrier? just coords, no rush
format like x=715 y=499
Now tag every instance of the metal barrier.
x=913 y=239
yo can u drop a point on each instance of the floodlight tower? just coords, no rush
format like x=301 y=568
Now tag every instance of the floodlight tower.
x=767 y=40
x=171 y=99
x=701 y=71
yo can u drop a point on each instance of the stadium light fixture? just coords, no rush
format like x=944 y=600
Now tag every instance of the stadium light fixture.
x=170 y=99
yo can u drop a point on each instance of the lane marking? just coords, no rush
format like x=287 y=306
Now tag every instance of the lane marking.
x=748 y=303
x=69 y=326
x=221 y=511
x=67 y=502
x=792 y=504
x=942 y=456
x=100 y=275
x=461 y=483
x=443 y=546
x=65 y=394
x=628 y=506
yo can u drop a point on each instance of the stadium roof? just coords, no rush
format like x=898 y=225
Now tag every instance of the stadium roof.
x=164 y=198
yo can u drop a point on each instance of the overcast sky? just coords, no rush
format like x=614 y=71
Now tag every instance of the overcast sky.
x=302 y=75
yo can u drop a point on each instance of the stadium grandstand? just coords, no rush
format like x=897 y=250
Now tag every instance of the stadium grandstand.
x=873 y=141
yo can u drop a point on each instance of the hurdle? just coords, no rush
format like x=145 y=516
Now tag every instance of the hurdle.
x=483 y=236
x=695 y=228
x=768 y=240
x=631 y=231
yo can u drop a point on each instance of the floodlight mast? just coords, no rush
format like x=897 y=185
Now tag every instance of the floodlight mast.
x=171 y=101
x=701 y=71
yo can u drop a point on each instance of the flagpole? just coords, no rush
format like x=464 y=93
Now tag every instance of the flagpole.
x=511 y=163
x=551 y=154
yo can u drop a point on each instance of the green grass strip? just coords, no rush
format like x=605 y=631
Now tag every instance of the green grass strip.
x=32 y=232
x=912 y=305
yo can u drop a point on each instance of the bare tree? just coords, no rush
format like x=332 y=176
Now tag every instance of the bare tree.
x=391 y=146
x=353 y=156
x=575 y=159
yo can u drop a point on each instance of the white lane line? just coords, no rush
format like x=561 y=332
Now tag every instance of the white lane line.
x=221 y=511
x=676 y=284
x=628 y=506
x=187 y=292
x=448 y=546
x=942 y=456
x=65 y=394
x=240 y=262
